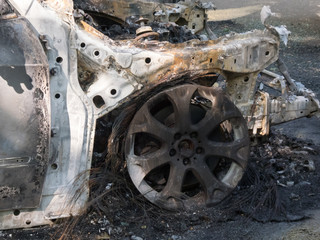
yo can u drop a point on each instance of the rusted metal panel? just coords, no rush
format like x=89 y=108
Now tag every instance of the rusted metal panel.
x=24 y=115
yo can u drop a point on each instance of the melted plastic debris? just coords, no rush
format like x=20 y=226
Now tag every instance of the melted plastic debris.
x=283 y=33
x=266 y=13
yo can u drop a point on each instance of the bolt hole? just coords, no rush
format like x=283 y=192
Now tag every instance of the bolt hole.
x=54 y=166
x=235 y=61
x=246 y=79
x=96 y=53
x=198 y=15
x=267 y=53
x=53 y=133
x=82 y=45
x=301 y=112
x=59 y=59
x=28 y=222
x=148 y=60
x=210 y=60
x=239 y=97
x=16 y=212
x=113 y=92
x=98 y=101
x=57 y=95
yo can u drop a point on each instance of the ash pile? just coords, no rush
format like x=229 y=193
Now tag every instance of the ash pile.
x=281 y=183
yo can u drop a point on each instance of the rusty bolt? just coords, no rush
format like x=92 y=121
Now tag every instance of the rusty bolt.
x=142 y=21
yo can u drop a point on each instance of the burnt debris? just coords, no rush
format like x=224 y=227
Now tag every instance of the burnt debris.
x=167 y=32
x=170 y=32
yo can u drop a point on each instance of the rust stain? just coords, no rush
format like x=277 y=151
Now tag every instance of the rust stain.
x=92 y=30
x=8 y=192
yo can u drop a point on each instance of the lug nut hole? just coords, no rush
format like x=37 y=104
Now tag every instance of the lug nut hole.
x=186 y=161
x=199 y=150
x=172 y=152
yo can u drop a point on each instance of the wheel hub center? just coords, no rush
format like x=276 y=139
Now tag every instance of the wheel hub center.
x=186 y=148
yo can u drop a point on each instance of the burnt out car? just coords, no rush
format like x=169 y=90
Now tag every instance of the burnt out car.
x=180 y=115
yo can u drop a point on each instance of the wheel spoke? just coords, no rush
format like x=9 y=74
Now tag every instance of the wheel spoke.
x=149 y=124
x=228 y=150
x=210 y=184
x=150 y=161
x=210 y=121
x=213 y=118
x=180 y=99
x=174 y=183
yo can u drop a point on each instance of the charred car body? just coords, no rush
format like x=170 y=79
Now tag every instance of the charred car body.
x=193 y=105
